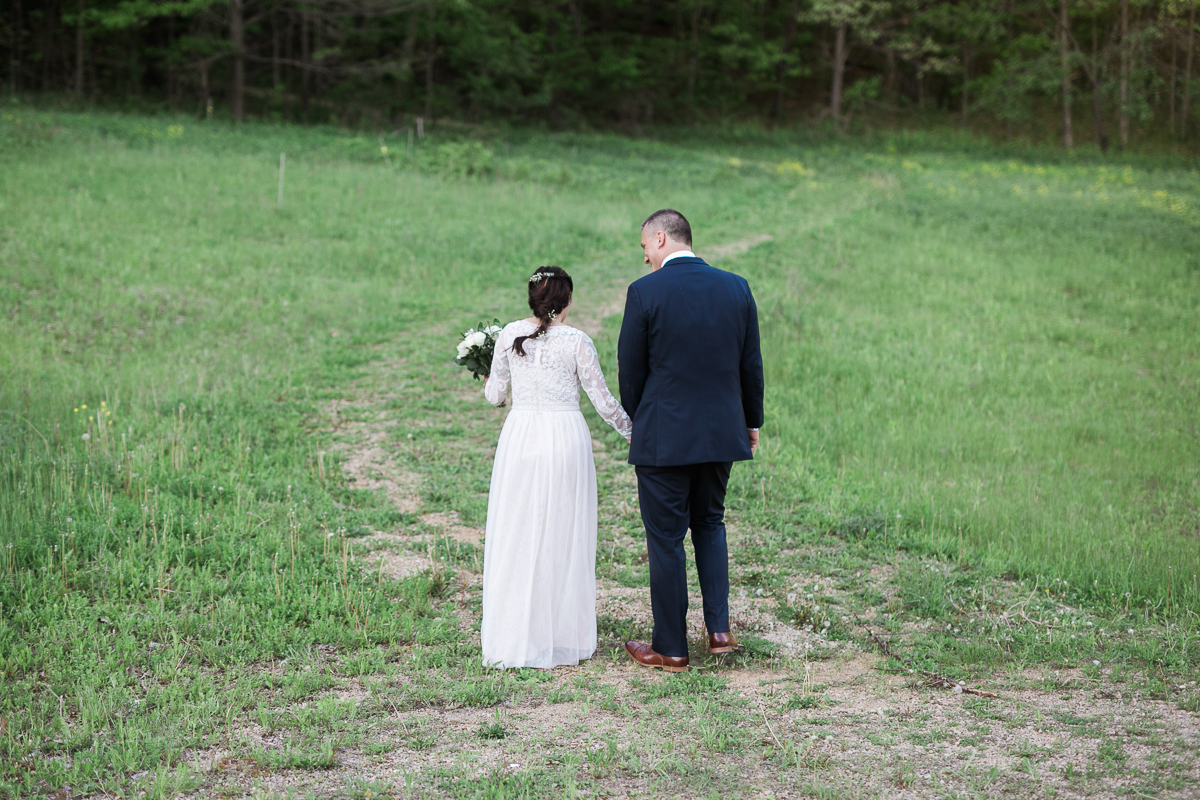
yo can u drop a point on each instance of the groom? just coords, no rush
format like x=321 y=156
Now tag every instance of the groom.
x=691 y=378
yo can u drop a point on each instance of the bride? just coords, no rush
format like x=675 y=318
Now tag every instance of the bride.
x=539 y=563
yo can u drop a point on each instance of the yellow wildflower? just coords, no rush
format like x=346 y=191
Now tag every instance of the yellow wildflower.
x=791 y=168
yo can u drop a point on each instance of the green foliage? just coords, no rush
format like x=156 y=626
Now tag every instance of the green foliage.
x=685 y=684
x=459 y=160
x=633 y=65
x=493 y=730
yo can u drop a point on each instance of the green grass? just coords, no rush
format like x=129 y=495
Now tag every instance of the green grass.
x=988 y=361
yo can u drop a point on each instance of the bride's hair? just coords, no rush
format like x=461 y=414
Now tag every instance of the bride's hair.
x=550 y=290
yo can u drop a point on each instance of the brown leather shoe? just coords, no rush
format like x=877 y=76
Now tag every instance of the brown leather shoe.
x=644 y=654
x=722 y=642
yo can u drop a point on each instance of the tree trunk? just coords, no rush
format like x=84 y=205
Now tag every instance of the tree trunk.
x=647 y=17
x=205 y=94
x=429 y=54
x=1064 y=46
x=317 y=44
x=694 y=55
x=966 y=59
x=406 y=61
x=839 y=72
x=1097 y=93
x=305 y=72
x=47 y=30
x=276 y=77
x=1123 y=115
x=1008 y=37
x=237 y=42
x=14 y=52
x=289 y=53
x=789 y=35
x=172 y=71
x=891 y=79
x=1187 y=73
x=1174 y=81
x=79 y=52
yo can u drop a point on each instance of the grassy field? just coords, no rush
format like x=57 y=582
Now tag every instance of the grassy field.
x=982 y=377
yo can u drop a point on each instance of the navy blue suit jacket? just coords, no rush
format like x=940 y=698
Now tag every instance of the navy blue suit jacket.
x=690 y=365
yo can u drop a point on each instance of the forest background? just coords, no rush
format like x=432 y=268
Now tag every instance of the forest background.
x=1071 y=71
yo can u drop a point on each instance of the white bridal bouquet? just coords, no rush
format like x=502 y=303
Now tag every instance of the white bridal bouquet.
x=477 y=347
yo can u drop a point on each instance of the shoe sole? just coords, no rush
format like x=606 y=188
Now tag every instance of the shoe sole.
x=660 y=666
x=719 y=650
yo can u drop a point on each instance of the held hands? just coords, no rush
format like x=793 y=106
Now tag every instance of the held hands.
x=753 y=440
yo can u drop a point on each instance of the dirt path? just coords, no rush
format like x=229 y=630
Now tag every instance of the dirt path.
x=797 y=715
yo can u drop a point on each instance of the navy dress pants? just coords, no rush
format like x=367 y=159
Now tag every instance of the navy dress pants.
x=674 y=499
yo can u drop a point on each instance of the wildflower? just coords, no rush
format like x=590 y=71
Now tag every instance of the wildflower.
x=383 y=149
x=84 y=406
x=87 y=437
x=791 y=168
x=77 y=411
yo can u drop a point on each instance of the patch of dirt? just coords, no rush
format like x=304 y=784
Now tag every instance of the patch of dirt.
x=452 y=527
x=367 y=459
x=720 y=251
x=362 y=441
x=398 y=563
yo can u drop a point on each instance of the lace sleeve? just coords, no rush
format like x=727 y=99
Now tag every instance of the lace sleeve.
x=591 y=378
x=495 y=389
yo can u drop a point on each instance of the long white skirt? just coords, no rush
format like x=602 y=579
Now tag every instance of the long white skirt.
x=539 y=562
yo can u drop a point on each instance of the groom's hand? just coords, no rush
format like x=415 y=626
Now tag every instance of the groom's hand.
x=753 y=439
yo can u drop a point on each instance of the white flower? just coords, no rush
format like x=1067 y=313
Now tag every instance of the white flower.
x=476 y=339
x=463 y=347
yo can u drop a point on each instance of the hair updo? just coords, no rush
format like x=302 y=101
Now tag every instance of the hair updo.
x=550 y=290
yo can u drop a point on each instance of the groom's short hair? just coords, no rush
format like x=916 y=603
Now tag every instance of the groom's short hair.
x=672 y=223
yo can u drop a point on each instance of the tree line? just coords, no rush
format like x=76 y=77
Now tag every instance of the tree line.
x=1126 y=67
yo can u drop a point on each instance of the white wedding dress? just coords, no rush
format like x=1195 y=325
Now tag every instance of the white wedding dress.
x=539 y=563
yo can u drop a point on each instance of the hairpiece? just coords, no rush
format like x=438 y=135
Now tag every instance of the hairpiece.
x=537 y=277
x=553 y=315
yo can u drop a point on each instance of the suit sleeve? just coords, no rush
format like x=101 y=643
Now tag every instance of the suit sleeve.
x=752 y=368
x=633 y=355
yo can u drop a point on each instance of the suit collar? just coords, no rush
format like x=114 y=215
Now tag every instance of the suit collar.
x=683 y=261
x=675 y=255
